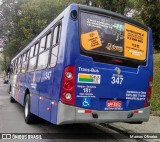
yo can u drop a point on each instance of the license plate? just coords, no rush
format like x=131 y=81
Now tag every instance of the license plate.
x=113 y=104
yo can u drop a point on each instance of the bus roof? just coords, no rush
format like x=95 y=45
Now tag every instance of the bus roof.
x=112 y=14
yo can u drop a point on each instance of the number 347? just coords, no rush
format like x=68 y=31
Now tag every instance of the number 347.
x=117 y=80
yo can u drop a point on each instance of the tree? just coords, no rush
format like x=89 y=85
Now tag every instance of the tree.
x=21 y=20
x=119 y=6
x=9 y=18
x=147 y=11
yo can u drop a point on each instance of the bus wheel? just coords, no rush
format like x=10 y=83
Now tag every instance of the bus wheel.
x=28 y=116
x=12 y=100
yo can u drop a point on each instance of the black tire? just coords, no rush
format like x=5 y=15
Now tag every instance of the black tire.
x=28 y=116
x=12 y=100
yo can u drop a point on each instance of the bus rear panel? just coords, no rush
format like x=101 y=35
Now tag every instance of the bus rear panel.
x=111 y=79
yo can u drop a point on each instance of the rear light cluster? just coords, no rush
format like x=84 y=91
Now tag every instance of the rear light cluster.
x=68 y=86
x=149 y=92
x=85 y=111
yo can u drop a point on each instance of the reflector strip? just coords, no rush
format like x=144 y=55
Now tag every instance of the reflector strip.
x=54 y=103
x=84 y=111
x=88 y=111
x=138 y=111
x=135 y=111
x=48 y=109
x=80 y=111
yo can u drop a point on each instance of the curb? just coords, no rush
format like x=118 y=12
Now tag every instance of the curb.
x=121 y=130
x=155 y=113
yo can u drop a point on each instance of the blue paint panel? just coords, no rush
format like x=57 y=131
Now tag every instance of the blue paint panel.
x=36 y=82
x=45 y=86
x=134 y=79
x=27 y=80
x=34 y=79
x=18 y=88
x=34 y=103
x=54 y=109
x=45 y=104
x=22 y=88
x=21 y=97
x=32 y=82
x=55 y=94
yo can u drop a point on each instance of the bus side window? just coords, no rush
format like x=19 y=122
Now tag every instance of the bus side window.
x=24 y=62
x=55 y=35
x=43 y=59
x=43 y=55
x=36 y=49
x=24 y=57
x=48 y=42
x=32 y=63
x=54 y=54
x=59 y=34
x=27 y=60
x=19 y=64
x=55 y=46
x=42 y=44
x=15 y=66
x=32 y=60
x=31 y=52
x=27 y=55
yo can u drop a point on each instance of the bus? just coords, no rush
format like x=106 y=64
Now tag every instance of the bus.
x=88 y=65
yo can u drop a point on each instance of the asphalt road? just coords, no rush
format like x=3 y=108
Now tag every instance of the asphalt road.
x=12 y=121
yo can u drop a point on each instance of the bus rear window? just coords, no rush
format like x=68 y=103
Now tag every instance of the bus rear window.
x=108 y=37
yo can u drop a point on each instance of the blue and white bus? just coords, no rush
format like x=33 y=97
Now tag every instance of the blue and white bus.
x=88 y=65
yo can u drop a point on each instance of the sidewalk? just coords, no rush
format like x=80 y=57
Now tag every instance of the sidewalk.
x=152 y=126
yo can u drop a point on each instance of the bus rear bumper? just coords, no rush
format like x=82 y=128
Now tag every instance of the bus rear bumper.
x=69 y=114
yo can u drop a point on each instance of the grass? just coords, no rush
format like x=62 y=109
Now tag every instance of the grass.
x=155 y=100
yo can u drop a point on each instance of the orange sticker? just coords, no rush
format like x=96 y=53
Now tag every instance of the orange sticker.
x=135 y=44
x=91 y=40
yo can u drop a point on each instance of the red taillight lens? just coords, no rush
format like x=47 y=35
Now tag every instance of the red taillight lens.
x=149 y=92
x=68 y=86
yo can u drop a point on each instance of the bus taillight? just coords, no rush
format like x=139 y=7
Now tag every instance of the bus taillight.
x=68 y=86
x=149 y=92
